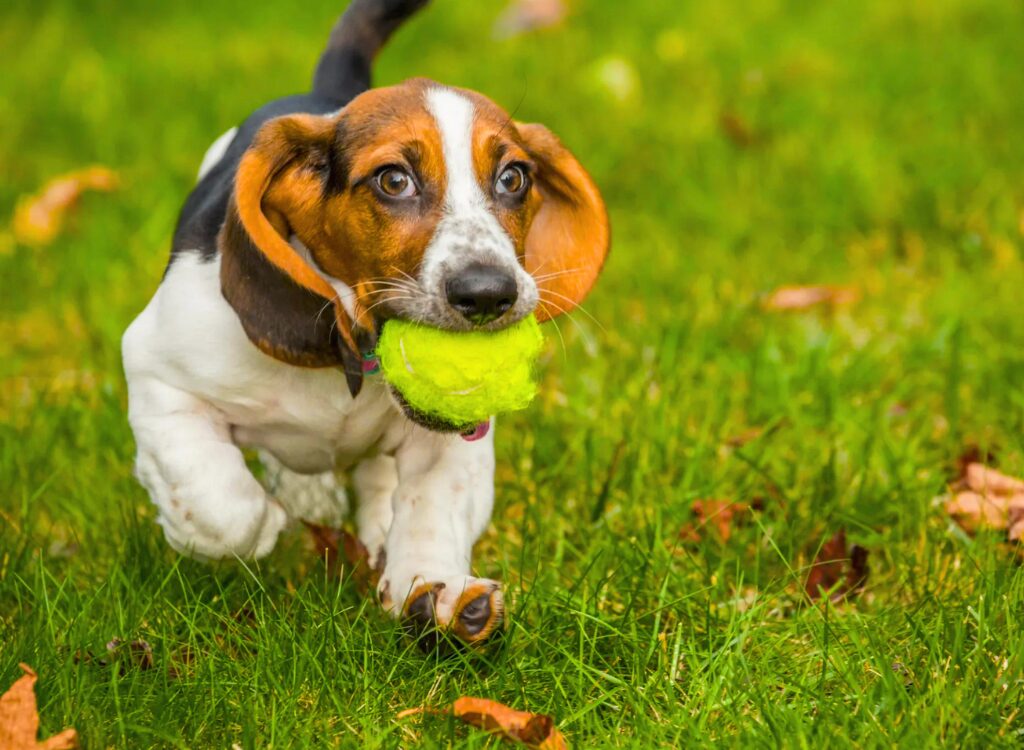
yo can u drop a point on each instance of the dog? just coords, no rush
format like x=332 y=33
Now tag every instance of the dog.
x=319 y=218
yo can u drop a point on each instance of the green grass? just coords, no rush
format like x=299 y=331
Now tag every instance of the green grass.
x=883 y=150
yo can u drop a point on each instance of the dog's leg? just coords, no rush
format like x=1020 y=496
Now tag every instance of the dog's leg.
x=375 y=481
x=210 y=505
x=316 y=498
x=441 y=505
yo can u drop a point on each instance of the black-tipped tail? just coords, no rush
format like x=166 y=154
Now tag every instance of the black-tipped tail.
x=344 y=69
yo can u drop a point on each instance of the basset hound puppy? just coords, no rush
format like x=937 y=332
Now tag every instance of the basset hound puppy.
x=316 y=220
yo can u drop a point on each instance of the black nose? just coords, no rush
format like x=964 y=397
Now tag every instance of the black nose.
x=482 y=293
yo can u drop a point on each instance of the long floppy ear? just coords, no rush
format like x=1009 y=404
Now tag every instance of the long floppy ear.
x=569 y=237
x=286 y=308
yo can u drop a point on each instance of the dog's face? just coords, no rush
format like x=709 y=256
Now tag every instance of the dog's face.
x=428 y=203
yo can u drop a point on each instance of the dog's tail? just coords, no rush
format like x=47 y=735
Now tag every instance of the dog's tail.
x=344 y=68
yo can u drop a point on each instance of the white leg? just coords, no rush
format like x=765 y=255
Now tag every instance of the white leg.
x=315 y=498
x=441 y=505
x=375 y=481
x=210 y=505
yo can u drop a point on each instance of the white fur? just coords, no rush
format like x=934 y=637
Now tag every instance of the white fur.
x=199 y=390
x=468 y=231
x=216 y=152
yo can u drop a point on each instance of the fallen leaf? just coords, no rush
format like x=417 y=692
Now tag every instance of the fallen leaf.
x=336 y=545
x=38 y=218
x=19 y=719
x=521 y=16
x=740 y=132
x=973 y=453
x=986 y=498
x=533 y=730
x=836 y=569
x=806 y=297
x=720 y=514
x=748 y=435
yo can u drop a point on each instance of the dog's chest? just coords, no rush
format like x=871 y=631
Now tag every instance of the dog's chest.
x=190 y=338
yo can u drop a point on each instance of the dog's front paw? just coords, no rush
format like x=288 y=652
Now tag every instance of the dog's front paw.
x=468 y=610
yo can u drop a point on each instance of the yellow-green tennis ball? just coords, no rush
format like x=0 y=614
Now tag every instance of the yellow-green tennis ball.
x=461 y=378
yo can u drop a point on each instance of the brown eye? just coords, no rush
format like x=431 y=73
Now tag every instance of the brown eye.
x=395 y=183
x=512 y=181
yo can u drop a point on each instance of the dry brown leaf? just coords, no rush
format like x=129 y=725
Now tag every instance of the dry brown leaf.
x=19 y=719
x=719 y=514
x=522 y=16
x=338 y=545
x=738 y=130
x=748 y=435
x=986 y=498
x=38 y=218
x=835 y=567
x=533 y=730
x=806 y=297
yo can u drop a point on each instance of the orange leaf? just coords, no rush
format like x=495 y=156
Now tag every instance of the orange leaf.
x=986 y=498
x=806 y=297
x=533 y=730
x=38 y=218
x=721 y=514
x=19 y=719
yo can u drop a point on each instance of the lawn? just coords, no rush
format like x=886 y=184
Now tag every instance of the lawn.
x=740 y=146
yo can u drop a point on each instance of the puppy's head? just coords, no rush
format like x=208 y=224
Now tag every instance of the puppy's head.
x=416 y=201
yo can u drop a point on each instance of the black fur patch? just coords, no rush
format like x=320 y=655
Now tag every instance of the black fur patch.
x=283 y=319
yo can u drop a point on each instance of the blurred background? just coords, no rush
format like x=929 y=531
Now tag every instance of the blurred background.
x=873 y=148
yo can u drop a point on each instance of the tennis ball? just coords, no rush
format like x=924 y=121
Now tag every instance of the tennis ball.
x=461 y=378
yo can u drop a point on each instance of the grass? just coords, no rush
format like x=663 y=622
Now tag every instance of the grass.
x=740 y=146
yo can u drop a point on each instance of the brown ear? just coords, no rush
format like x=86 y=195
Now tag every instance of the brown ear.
x=569 y=237
x=286 y=308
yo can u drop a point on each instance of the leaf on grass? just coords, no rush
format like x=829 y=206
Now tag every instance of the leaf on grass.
x=522 y=16
x=533 y=730
x=748 y=435
x=973 y=453
x=838 y=570
x=805 y=297
x=19 y=719
x=738 y=130
x=336 y=545
x=987 y=499
x=38 y=218
x=721 y=515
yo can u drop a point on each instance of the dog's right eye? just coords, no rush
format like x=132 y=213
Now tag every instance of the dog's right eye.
x=395 y=183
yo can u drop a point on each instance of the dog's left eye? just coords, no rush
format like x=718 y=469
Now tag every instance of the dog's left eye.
x=395 y=183
x=512 y=181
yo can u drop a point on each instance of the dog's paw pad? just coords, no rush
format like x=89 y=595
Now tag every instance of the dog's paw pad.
x=479 y=613
x=468 y=614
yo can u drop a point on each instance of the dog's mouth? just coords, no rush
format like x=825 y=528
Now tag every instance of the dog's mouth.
x=437 y=424
x=371 y=366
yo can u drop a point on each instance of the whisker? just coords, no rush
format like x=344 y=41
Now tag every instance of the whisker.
x=587 y=339
x=385 y=301
x=579 y=307
x=556 y=274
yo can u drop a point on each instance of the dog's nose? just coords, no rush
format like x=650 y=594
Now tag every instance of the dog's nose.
x=482 y=293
